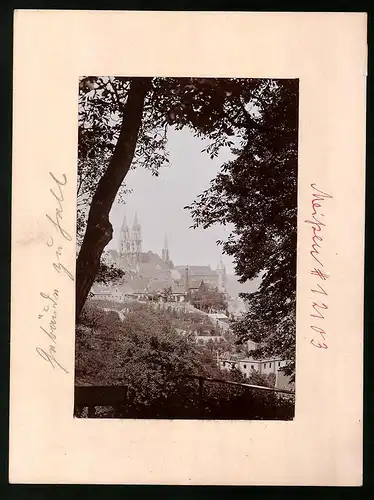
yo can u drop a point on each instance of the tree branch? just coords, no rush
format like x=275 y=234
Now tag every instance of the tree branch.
x=99 y=230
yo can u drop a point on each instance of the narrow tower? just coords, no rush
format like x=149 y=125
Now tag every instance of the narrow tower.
x=187 y=284
x=136 y=241
x=221 y=271
x=165 y=250
x=125 y=243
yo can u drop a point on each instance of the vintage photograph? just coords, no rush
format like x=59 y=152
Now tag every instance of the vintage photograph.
x=186 y=248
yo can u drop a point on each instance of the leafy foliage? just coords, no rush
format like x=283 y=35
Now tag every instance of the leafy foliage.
x=144 y=352
x=108 y=274
x=211 y=107
x=257 y=193
x=263 y=379
x=225 y=110
x=209 y=299
x=147 y=354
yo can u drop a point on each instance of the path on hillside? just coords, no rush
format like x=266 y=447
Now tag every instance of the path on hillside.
x=187 y=307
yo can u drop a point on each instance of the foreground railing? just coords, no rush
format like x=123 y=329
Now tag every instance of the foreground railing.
x=239 y=384
x=91 y=397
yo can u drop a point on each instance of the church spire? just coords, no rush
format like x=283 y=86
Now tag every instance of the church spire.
x=124 y=245
x=136 y=222
x=136 y=237
x=165 y=250
x=124 y=223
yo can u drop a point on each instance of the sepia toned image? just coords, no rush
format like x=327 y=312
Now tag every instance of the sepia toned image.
x=186 y=248
x=181 y=268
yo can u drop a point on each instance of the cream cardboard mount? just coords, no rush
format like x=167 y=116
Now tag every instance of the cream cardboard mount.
x=323 y=444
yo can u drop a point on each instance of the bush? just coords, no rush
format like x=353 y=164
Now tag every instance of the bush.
x=146 y=354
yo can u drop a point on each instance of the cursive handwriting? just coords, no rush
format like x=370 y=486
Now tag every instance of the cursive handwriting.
x=59 y=266
x=57 y=221
x=58 y=216
x=49 y=314
x=48 y=325
x=316 y=223
x=318 y=307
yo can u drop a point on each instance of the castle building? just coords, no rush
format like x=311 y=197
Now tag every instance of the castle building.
x=130 y=255
x=159 y=273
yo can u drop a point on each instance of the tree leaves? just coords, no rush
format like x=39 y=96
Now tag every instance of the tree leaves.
x=108 y=274
x=209 y=300
x=257 y=193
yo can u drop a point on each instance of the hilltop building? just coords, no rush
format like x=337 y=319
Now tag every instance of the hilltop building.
x=148 y=273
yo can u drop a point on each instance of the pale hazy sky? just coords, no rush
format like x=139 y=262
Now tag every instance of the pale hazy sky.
x=159 y=203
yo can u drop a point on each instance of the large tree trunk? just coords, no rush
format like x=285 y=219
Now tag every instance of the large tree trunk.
x=99 y=230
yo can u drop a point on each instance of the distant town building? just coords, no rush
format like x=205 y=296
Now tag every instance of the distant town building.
x=148 y=274
x=264 y=366
x=219 y=317
x=192 y=276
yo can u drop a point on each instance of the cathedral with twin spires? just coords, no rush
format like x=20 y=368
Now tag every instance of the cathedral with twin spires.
x=156 y=271
x=130 y=246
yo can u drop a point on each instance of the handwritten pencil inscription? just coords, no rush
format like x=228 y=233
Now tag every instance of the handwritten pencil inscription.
x=319 y=305
x=49 y=313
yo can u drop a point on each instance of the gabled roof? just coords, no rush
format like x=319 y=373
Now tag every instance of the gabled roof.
x=153 y=271
x=199 y=270
x=233 y=359
x=177 y=288
x=153 y=259
x=195 y=283
x=218 y=316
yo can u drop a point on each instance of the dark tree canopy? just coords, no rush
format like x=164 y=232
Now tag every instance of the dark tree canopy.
x=123 y=123
x=257 y=194
x=146 y=353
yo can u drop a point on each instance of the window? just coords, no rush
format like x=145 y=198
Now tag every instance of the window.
x=279 y=363
x=269 y=365
x=245 y=366
x=265 y=365
x=252 y=367
x=224 y=364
